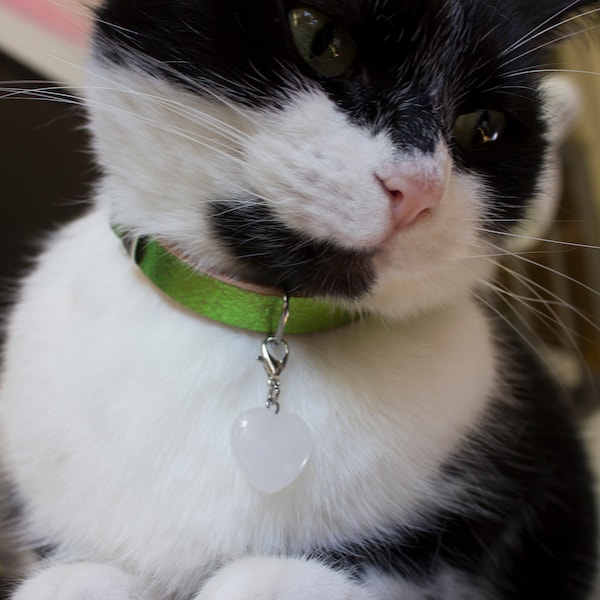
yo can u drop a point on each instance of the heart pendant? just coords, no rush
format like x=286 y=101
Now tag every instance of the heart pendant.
x=270 y=449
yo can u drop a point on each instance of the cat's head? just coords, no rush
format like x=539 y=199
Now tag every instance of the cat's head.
x=380 y=152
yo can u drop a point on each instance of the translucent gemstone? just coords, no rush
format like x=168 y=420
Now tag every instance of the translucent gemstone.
x=270 y=449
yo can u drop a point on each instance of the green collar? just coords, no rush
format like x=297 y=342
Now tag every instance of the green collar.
x=238 y=304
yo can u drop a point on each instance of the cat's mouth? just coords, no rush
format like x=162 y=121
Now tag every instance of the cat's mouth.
x=270 y=254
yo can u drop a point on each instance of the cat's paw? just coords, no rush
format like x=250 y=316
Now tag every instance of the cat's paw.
x=259 y=578
x=81 y=581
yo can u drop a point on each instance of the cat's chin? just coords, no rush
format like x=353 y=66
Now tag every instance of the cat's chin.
x=411 y=284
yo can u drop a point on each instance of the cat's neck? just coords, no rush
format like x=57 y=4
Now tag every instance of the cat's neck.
x=229 y=299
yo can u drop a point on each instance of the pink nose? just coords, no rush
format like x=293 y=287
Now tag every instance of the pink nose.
x=411 y=197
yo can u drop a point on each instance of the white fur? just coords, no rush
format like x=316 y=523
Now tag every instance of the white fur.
x=116 y=403
x=259 y=578
x=83 y=581
x=128 y=411
x=280 y=579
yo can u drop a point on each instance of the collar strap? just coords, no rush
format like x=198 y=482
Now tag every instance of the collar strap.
x=236 y=303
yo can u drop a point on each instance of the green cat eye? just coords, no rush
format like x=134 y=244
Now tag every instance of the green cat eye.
x=322 y=43
x=479 y=130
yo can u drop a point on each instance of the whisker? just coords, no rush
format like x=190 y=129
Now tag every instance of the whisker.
x=562 y=38
x=506 y=296
x=557 y=301
x=541 y=29
x=553 y=271
x=53 y=93
x=64 y=94
x=535 y=348
x=550 y=71
x=571 y=334
x=539 y=239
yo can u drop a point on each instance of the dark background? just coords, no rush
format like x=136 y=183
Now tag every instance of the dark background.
x=46 y=171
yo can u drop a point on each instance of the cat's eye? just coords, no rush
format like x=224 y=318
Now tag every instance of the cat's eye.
x=479 y=130
x=326 y=46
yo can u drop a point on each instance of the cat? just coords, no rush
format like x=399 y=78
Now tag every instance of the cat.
x=328 y=185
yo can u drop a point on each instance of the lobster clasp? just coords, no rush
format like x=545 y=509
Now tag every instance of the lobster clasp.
x=274 y=355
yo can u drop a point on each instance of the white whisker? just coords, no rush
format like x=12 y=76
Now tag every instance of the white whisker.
x=557 y=301
x=539 y=239
x=542 y=28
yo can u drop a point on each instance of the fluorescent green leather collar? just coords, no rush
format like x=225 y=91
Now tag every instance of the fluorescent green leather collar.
x=247 y=307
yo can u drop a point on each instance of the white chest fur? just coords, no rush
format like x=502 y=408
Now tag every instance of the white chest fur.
x=117 y=405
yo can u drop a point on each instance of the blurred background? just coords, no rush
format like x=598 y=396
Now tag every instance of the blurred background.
x=556 y=283
x=552 y=293
x=45 y=167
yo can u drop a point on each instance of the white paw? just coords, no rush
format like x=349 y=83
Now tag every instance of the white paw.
x=81 y=581
x=258 y=578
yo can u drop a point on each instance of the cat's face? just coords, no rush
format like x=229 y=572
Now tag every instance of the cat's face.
x=373 y=151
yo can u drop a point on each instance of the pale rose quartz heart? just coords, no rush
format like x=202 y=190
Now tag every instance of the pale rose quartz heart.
x=270 y=449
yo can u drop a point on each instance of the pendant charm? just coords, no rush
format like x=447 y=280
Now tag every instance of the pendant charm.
x=270 y=449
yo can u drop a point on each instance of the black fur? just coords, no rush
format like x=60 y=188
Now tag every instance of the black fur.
x=278 y=257
x=527 y=527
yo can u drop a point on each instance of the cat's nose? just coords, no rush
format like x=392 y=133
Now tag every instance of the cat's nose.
x=411 y=197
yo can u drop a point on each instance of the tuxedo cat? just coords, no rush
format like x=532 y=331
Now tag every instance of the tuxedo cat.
x=327 y=184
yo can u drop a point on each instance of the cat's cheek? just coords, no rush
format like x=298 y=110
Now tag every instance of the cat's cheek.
x=398 y=296
x=441 y=238
x=441 y=257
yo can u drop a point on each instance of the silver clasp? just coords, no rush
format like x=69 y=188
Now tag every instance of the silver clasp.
x=274 y=355
x=285 y=315
x=273 y=364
